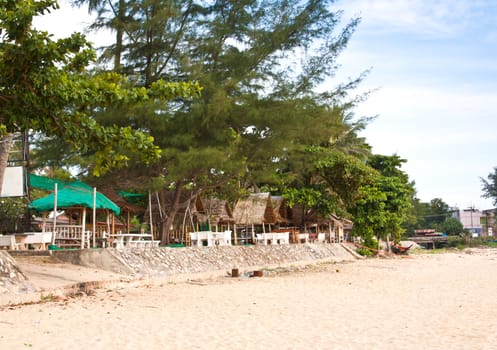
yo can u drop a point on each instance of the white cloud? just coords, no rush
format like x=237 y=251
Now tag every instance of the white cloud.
x=417 y=100
x=69 y=19
x=434 y=18
x=446 y=134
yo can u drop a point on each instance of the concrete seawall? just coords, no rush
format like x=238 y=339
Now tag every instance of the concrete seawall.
x=163 y=261
x=27 y=278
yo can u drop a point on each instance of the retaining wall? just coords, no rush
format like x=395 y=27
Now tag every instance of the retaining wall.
x=165 y=261
x=11 y=277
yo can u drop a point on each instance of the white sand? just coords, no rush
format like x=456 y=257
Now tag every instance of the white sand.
x=444 y=301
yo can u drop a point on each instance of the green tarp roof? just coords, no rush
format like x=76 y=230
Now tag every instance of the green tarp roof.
x=74 y=194
x=44 y=183
x=125 y=194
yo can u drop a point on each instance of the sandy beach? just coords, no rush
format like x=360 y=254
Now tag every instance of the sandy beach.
x=423 y=301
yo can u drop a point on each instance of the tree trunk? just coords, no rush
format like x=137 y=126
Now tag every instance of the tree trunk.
x=119 y=36
x=5 y=144
x=166 y=228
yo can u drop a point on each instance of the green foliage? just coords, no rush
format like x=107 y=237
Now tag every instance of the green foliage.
x=259 y=109
x=12 y=210
x=437 y=213
x=489 y=186
x=383 y=204
x=457 y=242
x=427 y=215
x=44 y=87
x=451 y=226
x=364 y=251
x=466 y=241
x=324 y=179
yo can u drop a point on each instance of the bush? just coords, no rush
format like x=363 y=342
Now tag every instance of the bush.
x=12 y=211
x=457 y=242
x=364 y=251
x=461 y=242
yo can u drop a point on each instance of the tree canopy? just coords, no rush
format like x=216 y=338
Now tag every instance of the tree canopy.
x=45 y=87
x=265 y=119
x=260 y=65
x=384 y=203
x=489 y=186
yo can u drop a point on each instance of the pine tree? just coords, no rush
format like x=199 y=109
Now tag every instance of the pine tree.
x=260 y=64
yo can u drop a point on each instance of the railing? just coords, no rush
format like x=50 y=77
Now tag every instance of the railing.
x=70 y=236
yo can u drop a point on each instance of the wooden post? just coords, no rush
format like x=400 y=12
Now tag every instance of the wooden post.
x=44 y=221
x=109 y=221
x=128 y=222
x=150 y=214
x=54 y=213
x=94 y=215
x=83 y=228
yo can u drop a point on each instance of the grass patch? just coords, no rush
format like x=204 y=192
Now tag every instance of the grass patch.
x=47 y=298
x=364 y=252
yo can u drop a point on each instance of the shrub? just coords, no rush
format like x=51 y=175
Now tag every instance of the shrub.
x=364 y=251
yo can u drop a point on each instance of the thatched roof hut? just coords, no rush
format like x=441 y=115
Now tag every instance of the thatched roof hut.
x=256 y=209
x=125 y=206
x=187 y=216
x=127 y=209
x=218 y=212
x=281 y=209
x=332 y=225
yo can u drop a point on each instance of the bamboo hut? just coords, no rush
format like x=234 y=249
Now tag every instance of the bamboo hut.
x=218 y=213
x=127 y=210
x=75 y=199
x=334 y=227
x=255 y=214
x=190 y=215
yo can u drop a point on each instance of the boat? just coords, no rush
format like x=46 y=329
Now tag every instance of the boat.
x=398 y=249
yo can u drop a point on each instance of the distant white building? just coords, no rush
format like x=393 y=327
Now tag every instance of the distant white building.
x=471 y=220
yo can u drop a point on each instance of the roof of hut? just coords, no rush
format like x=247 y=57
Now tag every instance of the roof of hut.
x=75 y=194
x=114 y=196
x=280 y=209
x=256 y=209
x=218 y=210
x=315 y=218
x=299 y=216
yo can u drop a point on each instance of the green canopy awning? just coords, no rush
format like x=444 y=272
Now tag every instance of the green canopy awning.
x=74 y=194
x=44 y=183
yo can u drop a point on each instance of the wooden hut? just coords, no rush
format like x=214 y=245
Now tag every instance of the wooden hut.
x=332 y=226
x=190 y=215
x=310 y=221
x=75 y=199
x=218 y=213
x=255 y=214
x=127 y=210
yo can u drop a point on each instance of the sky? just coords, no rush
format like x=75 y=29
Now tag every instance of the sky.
x=433 y=70
x=434 y=66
